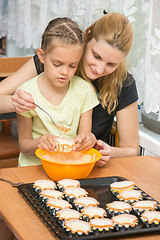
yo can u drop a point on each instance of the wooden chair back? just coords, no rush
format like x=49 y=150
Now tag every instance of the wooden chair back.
x=9 y=65
x=114 y=139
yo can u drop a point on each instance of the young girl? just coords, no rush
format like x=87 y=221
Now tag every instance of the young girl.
x=67 y=98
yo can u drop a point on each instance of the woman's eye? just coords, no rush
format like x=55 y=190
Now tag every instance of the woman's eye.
x=111 y=64
x=96 y=56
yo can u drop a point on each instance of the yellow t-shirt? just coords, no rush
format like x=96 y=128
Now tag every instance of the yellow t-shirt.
x=79 y=98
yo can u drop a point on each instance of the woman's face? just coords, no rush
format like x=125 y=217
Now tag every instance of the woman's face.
x=101 y=59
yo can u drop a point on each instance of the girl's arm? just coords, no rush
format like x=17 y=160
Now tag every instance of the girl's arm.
x=28 y=145
x=85 y=122
x=128 y=131
x=85 y=138
x=9 y=85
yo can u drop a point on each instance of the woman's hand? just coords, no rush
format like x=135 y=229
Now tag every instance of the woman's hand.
x=105 y=151
x=46 y=142
x=84 y=141
x=22 y=101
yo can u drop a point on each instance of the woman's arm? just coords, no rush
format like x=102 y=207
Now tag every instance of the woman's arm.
x=9 y=85
x=128 y=131
x=127 y=124
x=105 y=151
x=85 y=138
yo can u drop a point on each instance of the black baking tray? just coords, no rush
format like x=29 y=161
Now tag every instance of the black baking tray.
x=97 y=188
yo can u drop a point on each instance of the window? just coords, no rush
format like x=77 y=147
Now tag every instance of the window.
x=3 y=46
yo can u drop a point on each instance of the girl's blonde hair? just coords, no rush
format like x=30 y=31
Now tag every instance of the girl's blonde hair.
x=63 y=29
x=117 y=31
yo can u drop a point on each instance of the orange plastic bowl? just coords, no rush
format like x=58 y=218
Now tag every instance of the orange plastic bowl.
x=59 y=170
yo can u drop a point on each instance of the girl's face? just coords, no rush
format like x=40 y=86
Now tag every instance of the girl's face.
x=61 y=62
x=101 y=59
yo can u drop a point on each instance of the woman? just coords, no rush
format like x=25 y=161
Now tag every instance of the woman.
x=107 y=43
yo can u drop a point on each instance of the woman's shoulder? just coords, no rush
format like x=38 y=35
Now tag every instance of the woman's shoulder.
x=129 y=81
x=128 y=93
x=129 y=85
x=39 y=67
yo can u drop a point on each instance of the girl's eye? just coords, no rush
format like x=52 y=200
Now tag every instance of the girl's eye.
x=56 y=65
x=73 y=66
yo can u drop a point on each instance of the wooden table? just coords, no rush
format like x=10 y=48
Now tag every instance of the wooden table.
x=25 y=223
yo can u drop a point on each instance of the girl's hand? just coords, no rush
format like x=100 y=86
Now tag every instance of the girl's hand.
x=105 y=151
x=46 y=142
x=84 y=141
x=22 y=101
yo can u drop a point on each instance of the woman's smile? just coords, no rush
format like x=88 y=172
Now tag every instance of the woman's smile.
x=93 y=71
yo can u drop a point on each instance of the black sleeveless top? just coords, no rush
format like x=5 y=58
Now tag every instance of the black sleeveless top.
x=101 y=120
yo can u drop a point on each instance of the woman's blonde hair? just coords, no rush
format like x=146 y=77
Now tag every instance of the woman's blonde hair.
x=117 y=31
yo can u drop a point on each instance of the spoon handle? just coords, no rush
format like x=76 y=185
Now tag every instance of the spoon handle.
x=47 y=114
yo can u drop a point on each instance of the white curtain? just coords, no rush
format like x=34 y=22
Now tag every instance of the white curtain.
x=23 y=21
